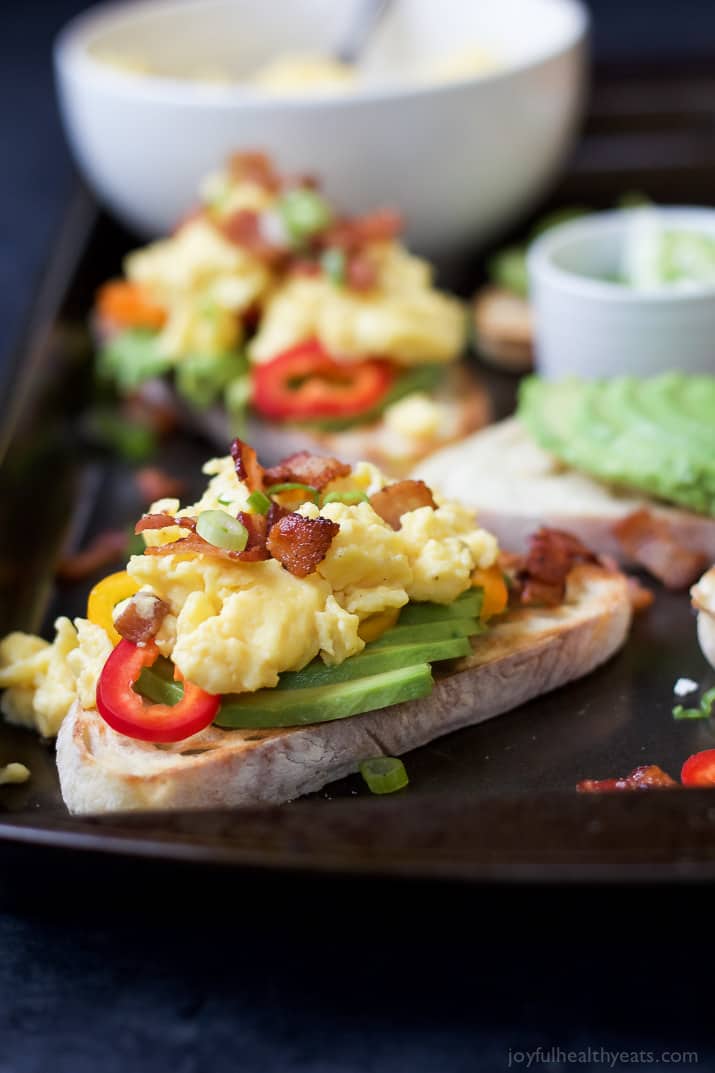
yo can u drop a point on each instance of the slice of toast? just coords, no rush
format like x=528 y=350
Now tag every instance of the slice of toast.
x=527 y=653
x=461 y=396
x=516 y=487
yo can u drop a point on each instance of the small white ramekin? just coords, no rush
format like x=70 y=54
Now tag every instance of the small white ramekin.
x=587 y=326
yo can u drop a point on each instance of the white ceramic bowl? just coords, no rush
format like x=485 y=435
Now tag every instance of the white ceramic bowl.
x=590 y=327
x=461 y=159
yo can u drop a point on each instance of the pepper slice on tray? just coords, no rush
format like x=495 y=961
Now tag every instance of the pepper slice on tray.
x=699 y=769
x=105 y=596
x=306 y=384
x=126 y=712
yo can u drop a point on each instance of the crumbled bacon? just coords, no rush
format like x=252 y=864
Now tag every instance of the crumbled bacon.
x=352 y=233
x=243 y=228
x=162 y=521
x=551 y=556
x=141 y=618
x=247 y=466
x=254 y=167
x=154 y=483
x=361 y=272
x=299 y=543
x=305 y=468
x=400 y=498
x=650 y=542
x=107 y=547
x=647 y=777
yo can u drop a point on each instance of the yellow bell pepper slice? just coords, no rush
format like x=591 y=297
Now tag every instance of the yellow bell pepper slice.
x=496 y=593
x=375 y=625
x=105 y=596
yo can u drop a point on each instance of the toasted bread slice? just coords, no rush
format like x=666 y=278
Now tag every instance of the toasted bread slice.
x=462 y=398
x=516 y=486
x=527 y=653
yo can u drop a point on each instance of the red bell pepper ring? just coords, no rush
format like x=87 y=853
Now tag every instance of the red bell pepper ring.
x=128 y=713
x=305 y=383
x=699 y=769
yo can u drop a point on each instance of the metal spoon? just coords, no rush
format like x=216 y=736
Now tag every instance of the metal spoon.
x=366 y=16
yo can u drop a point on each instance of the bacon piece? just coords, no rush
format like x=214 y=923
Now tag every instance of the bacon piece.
x=141 y=618
x=361 y=273
x=254 y=167
x=154 y=483
x=306 y=468
x=196 y=545
x=248 y=468
x=551 y=556
x=243 y=228
x=400 y=498
x=162 y=521
x=299 y=543
x=647 y=777
x=107 y=547
x=302 y=266
x=351 y=233
x=649 y=541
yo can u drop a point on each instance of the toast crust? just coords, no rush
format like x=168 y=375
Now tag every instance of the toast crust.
x=529 y=652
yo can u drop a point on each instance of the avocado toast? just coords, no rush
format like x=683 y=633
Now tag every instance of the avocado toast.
x=626 y=464
x=294 y=622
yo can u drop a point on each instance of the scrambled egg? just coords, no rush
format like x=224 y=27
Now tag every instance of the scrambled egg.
x=236 y=626
x=404 y=318
x=204 y=282
x=14 y=773
x=42 y=681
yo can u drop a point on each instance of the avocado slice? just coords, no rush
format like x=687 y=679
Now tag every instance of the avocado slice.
x=428 y=632
x=322 y=704
x=371 y=661
x=468 y=605
x=654 y=435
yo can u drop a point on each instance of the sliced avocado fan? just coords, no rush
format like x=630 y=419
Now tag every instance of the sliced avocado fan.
x=654 y=435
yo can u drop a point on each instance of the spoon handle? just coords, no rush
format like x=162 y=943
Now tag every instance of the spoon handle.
x=365 y=19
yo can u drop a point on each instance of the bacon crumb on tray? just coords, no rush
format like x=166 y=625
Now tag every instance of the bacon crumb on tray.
x=299 y=543
x=106 y=548
x=154 y=483
x=646 y=777
x=400 y=498
x=650 y=542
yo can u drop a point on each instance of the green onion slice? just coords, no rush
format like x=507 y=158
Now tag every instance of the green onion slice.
x=226 y=501
x=332 y=262
x=259 y=503
x=221 y=530
x=703 y=712
x=346 y=497
x=304 y=213
x=384 y=774
x=293 y=486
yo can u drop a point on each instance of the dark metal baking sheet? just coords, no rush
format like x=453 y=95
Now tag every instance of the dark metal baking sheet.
x=494 y=802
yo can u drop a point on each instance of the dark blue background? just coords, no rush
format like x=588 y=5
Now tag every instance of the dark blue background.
x=185 y=973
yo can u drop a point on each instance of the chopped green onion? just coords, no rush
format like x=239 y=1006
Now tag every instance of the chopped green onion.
x=225 y=501
x=293 y=486
x=384 y=774
x=259 y=503
x=304 y=213
x=703 y=712
x=221 y=530
x=346 y=497
x=332 y=262
x=236 y=397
